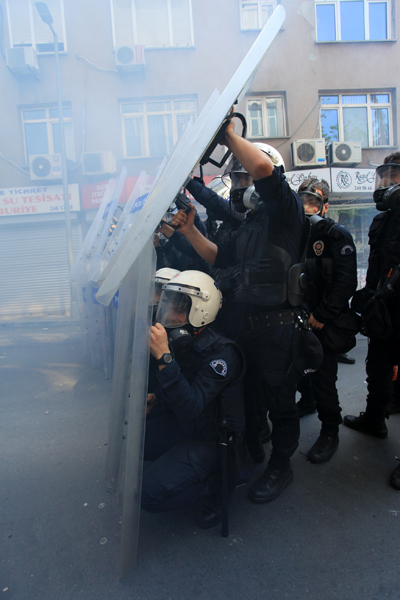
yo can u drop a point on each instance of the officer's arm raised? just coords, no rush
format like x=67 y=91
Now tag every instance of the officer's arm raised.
x=252 y=159
x=185 y=225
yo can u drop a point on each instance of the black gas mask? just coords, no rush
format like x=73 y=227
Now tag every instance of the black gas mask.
x=312 y=199
x=180 y=340
x=387 y=187
x=246 y=198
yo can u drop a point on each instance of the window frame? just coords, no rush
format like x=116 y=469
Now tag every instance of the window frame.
x=262 y=98
x=146 y=113
x=336 y=3
x=259 y=3
x=62 y=45
x=50 y=121
x=135 y=38
x=369 y=105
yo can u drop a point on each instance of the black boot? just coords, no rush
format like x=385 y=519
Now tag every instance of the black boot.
x=344 y=358
x=324 y=448
x=271 y=484
x=365 y=424
x=395 y=478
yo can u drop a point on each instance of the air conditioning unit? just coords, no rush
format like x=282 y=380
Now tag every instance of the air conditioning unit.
x=22 y=61
x=309 y=153
x=130 y=58
x=98 y=163
x=344 y=153
x=45 y=166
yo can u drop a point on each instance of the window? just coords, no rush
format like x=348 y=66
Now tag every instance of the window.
x=266 y=117
x=365 y=118
x=27 y=28
x=353 y=20
x=155 y=24
x=41 y=128
x=152 y=127
x=254 y=14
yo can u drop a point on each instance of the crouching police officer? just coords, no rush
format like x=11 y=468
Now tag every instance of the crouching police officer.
x=332 y=277
x=379 y=304
x=199 y=387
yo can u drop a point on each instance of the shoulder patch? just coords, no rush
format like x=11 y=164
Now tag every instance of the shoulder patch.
x=347 y=249
x=219 y=366
x=318 y=247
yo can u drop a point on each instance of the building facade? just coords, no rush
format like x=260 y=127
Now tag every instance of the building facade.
x=134 y=73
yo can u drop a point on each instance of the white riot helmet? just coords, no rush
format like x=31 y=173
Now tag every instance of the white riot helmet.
x=221 y=185
x=243 y=194
x=162 y=276
x=192 y=297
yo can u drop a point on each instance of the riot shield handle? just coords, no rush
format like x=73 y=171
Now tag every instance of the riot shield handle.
x=206 y=158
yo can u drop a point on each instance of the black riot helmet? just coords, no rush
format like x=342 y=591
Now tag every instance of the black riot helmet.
x=387 y=185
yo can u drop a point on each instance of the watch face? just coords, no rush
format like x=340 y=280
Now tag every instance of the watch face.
x=167 y=358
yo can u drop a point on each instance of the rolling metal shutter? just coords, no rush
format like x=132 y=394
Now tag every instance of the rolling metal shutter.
x=34 y=268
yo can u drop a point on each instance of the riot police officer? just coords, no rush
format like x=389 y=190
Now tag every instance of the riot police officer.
x=332 y=278
x=379 y=304
x=269 y=243
x=196 y=368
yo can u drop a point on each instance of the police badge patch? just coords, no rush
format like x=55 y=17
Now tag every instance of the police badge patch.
x=219 y=366
x=318 y=247
x=346 y=250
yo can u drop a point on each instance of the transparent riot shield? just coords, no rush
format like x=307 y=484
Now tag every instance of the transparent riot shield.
x=107 y=217
x=186 y=157
x=82 y=263
x=131 y=271
x=128 y=404
x=135 y=203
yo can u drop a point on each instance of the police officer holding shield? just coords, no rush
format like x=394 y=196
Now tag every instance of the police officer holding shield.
x=269 y=243
x=198 y=391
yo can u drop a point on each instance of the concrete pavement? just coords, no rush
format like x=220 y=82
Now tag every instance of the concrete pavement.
x=333 y=534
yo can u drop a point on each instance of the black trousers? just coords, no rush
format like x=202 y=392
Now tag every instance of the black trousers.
x=321 y=388
x=382 y=356
x=183 y=470
x=268 y=353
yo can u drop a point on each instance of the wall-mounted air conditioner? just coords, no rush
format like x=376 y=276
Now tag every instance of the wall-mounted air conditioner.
x=309 y=153
x=130 y=58
x=22 y=61
x=98 y=163
x=344 y=153
x=45 y=166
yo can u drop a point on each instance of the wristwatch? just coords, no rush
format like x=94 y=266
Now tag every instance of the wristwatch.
x=164 y=360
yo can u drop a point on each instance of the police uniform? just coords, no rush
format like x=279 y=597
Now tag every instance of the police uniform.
x=383 y=353
x=182 y=435
x=221 y=210
x=332 y=277
x=262 y=319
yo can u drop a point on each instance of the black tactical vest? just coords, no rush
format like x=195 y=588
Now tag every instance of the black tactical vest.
x=263 y=265
x=319 y=260
x=384 y=241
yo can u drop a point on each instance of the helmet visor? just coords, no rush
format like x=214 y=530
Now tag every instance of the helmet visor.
x=173 y=309
x=240 y=179
x=387 y=175
x=312 y=202
x=157 y=293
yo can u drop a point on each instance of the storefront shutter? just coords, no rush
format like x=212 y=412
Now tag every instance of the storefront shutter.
x=34 y=268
